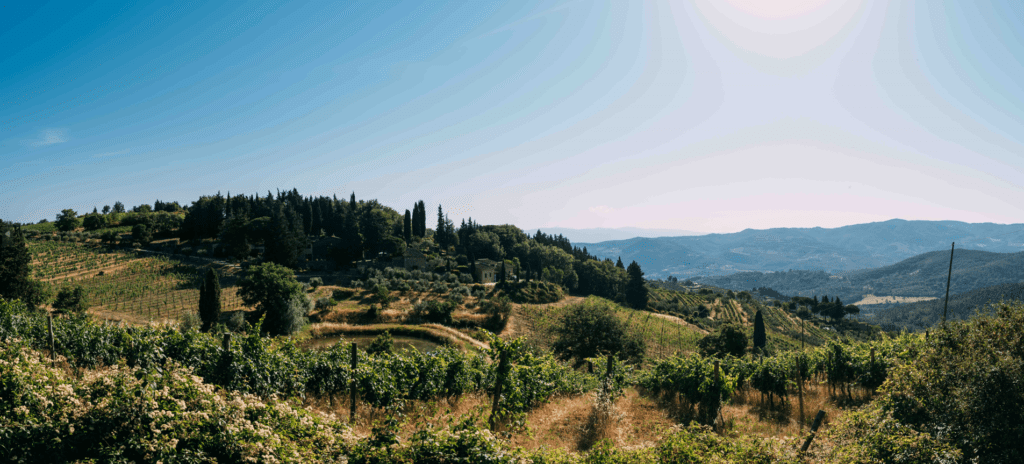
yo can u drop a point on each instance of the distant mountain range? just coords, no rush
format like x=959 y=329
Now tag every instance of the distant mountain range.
x=923 y=275
x=606 y=234
x=855 y=247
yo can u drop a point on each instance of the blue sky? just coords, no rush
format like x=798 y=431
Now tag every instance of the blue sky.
x=702 y=116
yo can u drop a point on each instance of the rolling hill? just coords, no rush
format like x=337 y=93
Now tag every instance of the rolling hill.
x=855 y=247
x=923 y=275
x=925 y=314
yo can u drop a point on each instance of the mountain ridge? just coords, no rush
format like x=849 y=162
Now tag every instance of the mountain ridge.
x=841 y=249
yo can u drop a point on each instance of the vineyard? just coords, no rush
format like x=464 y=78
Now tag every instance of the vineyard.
x=122 y=284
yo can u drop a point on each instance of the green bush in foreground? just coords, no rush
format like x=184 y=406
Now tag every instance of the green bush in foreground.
x=123 y=414
x=966 y=387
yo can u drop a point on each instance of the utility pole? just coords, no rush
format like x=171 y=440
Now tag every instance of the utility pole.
x=948 y=278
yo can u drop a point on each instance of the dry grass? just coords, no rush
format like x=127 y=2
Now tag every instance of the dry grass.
x=573 y=423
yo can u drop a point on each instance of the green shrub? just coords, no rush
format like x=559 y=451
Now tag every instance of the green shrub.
x=872 y=435
x=383 y=343
x=965 y=386
x=592 y=328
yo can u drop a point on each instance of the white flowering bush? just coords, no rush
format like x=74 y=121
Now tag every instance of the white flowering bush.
x=164 y=413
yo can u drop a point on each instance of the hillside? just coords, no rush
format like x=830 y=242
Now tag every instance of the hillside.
x=925 y=314
x=920 y=276
x=860 y=246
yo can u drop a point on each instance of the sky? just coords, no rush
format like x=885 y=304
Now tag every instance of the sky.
x=706 y=116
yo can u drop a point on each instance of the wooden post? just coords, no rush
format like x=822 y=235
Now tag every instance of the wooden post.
x=662 y=341
x=948 y=278
x=227 y=342
x=53 y=352
x=502 y=366
x=800 y=389
x=814 y=428
x=352 y=386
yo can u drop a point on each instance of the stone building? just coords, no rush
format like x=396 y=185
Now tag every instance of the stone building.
x=487 y=270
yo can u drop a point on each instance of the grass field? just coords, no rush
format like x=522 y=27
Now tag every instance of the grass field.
x=663 y=336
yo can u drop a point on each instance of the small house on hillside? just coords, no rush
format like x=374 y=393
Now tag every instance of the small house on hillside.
x=321 y=247
x=414 y=259
x=487 y=270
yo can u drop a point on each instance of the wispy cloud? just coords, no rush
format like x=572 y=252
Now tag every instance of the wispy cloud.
x=602 y=209
x=49 y=137
x=113 y=153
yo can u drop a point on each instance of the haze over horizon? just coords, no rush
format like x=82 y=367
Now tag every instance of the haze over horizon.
x=712 y=117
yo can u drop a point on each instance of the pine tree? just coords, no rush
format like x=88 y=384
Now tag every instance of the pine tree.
x=760 y=337
x=619 y=264
x=407 y=228
x=209 y=300
x=15 y=270
x=636 y=292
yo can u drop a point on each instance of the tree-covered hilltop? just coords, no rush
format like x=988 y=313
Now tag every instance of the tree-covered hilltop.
x=282 y=225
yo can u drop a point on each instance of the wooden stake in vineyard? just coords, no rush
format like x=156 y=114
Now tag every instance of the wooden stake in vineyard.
x=352 y=407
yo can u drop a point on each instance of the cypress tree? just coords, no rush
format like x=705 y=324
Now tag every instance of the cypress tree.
x=441 y=237
x=416 y=220
x=307 y=219
x=316 y=221
x=209 y=300
x=407 y=227
x=636 y=292
x=760 y=337
x=619 y=264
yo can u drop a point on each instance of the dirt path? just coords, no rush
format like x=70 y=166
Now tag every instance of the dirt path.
x=461 y=336
x=669 y=317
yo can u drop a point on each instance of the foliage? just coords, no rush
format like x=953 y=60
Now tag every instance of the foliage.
x=93 y=221
x=383 y=343
x=71 y=300
x=434 y=311
x=532 y=378
x=382 y=296
x=147 y=414
x=67 y=220
x=531 y=292
x=730 y=340
x=693 y=378
x=695 y=443
x=275 y=293
x=965 y=386
x=590 y=329
x=142 y=234
x=872 y=435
